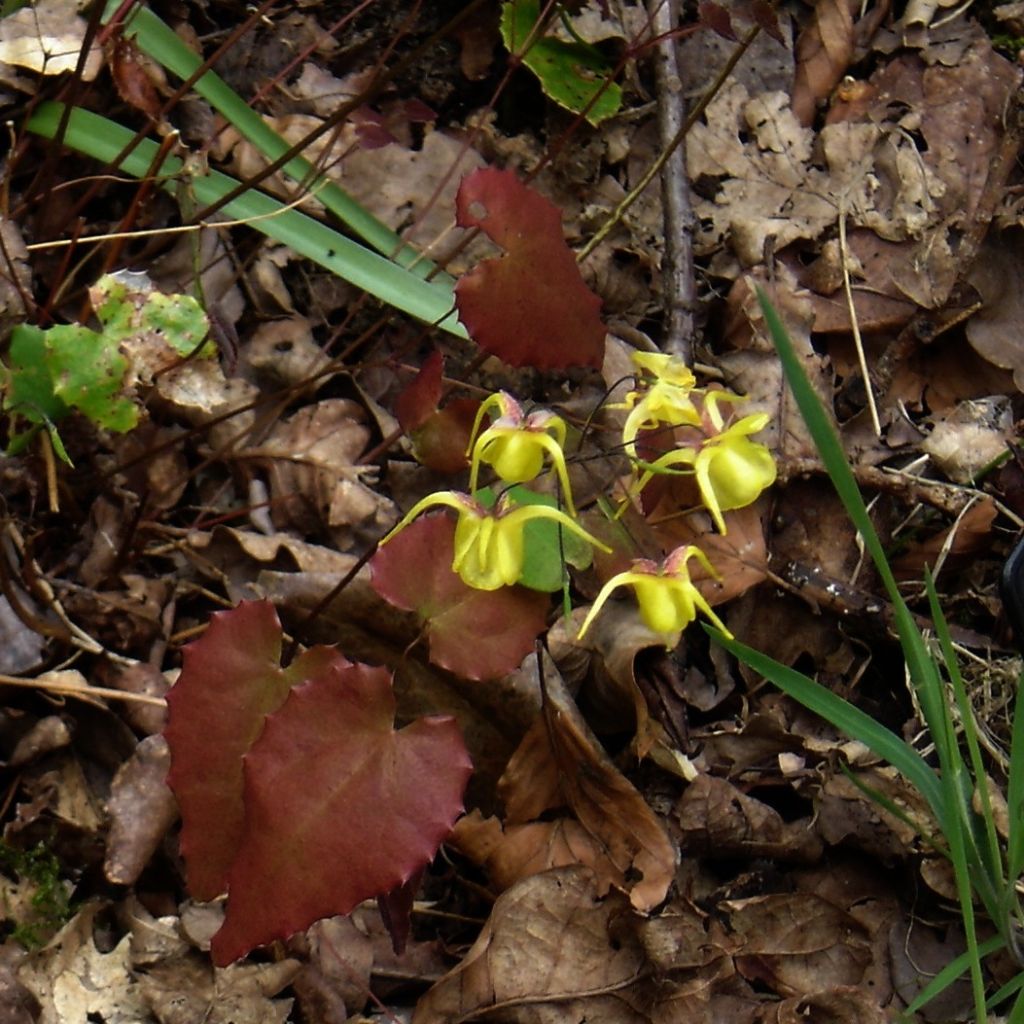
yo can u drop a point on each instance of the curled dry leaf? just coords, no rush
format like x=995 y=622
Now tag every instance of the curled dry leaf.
x=797 y=942
x=141 y=809
x=47 y=37
x=615 y=832
x=316 y=479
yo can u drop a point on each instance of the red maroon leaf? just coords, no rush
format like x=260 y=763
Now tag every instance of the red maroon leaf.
x=419 y=398
x=716 y=18
x=134 y=78
x=339 y=807
x=477 y=634
x=396 y=911
x=439 y=437
x=442 y=441
x=529 y=307
x=767 y=17
x=418 y=112
x=231 y=679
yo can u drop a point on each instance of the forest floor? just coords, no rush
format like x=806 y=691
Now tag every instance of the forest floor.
x=652 y=832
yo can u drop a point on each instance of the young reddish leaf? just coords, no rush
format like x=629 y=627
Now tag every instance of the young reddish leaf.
x=439 y=437
x=716 y=18
x=529 y=307
x=231 y=679
x=396 y=911
x=419 y=398
x=339 y=807
x=442 y=441
x=766 y=16
x=477 y=634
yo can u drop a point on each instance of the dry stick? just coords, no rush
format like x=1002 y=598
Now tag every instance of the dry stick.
x=619 y=212
x=858 y=341
x=679 y=279
x=82 y=692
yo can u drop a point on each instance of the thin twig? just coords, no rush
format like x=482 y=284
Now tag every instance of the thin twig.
x=858 y=341
x=677 y=271
x=82 y=692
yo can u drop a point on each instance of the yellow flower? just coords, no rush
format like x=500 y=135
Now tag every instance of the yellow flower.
x=730 y=469
x=515 y=445
x=489 y=542
x=665 y=402
x=667 y=597
x=668 y=369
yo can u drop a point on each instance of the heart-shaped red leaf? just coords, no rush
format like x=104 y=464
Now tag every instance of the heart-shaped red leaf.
x=529 y=307
x=231 y=679
x=413 y=571
x=339 y=807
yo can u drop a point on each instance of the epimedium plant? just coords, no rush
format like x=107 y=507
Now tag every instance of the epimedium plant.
x=730 y=469
x=250 y=740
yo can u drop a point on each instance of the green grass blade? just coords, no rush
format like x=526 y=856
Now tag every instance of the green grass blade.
x=957 y=836
x=1015 y=984
x=102 y=139
x=845 y=717
x=160 y=42
x=950 y=973
x=922 y=668
x=987 y=852
x=1015 y=790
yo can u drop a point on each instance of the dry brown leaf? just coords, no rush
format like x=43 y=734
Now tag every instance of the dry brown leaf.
x=718 y=819
x=47 y=36
x=141 y=808
x=551 y=951
x=823 y=52
x=971 y=535
x=511 y=853
x=283 y=353
x=773 y=183
x=16 y=280
x=185 y=989
x=998 y=275
x=840 y=1005
x=334 y=981
x=797 y=942
x=615 y=832
x=315 y=476
x=845 y=815
x=410 y=190
x=918 y=952
x=75 y=981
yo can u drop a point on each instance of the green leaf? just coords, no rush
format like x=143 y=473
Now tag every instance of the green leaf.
x=30 y=387
x=575 y=75
x=88 y=372
x=543 y=549
x=73 y=367
x=129 y=306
